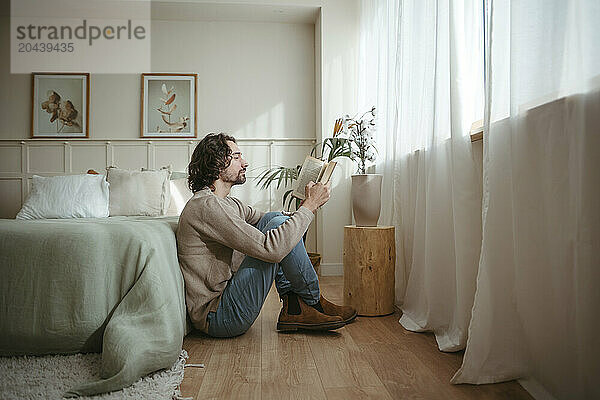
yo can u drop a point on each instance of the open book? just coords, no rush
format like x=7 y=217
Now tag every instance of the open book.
x=314 y=170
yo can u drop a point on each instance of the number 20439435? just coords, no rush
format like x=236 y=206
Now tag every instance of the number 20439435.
x=44 y=47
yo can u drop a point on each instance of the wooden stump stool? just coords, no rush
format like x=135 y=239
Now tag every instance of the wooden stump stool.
x=369 y=263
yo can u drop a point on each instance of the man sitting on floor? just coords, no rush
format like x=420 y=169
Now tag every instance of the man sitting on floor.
x=221 y=300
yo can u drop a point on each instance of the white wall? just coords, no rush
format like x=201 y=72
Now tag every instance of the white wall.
x=255 y=79
x=339 y=41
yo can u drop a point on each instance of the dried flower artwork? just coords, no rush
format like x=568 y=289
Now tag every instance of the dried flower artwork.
x=167 y=108
x=62 y=113
x=168 y=105
x=60 y=104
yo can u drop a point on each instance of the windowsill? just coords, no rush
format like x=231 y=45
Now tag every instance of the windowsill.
x=477 y=136
x=477 y=131
x=539 y=105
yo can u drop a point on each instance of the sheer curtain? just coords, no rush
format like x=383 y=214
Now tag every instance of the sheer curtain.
x=534 y=313
x=536 y=307
x=421 y=63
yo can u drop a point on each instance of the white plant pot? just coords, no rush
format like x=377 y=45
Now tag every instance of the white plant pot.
x=366 y=199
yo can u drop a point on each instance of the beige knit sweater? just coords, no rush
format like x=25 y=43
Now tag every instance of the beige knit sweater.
x=210 y=228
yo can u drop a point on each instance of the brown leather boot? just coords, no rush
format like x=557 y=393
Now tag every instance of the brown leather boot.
x=346 y=312
x=302 y=316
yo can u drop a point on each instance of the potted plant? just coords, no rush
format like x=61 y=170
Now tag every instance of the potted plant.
x=366 y=188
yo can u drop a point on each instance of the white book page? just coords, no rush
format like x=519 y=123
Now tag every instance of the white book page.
x=311 y=169
x=327 y=172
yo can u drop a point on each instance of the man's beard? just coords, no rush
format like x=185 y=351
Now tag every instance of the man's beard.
x=238 y=180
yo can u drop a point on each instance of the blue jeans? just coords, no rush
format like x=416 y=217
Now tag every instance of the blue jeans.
x=247 y=290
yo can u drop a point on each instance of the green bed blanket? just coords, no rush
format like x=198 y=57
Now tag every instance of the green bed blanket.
x=89 y=285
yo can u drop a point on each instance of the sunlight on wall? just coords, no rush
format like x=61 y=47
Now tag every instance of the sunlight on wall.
x=180 y=194
x=266 y=125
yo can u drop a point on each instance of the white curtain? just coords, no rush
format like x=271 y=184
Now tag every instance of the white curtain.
x=534 y=314
x=536 y=307
x=421 y=63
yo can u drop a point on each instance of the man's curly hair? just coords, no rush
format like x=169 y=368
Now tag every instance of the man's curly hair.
x=211 y=156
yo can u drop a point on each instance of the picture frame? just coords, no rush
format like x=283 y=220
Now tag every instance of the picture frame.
x=60 y=104
x=168 y=104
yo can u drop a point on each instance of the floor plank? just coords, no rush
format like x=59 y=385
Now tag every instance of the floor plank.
x=372 y=358
x=340 y=362
x=345 y=393
x=234 y=368
x=288 y=368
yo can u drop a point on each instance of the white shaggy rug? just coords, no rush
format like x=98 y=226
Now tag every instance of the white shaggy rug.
x=49 y=377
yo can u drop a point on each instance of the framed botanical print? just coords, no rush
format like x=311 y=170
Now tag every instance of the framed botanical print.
x=60 y=105
x=168 y=105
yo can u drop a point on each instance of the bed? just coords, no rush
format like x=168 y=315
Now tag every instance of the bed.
x=109 y=285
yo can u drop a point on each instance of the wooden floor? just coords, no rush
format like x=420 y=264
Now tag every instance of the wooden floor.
x=371 y=358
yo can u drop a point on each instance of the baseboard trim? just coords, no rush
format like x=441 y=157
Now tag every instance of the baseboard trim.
x=332 y=269
x=535 y=389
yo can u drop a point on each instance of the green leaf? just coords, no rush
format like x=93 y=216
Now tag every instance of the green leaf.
x=279 y=174
x=332 y=148
x=287 y=196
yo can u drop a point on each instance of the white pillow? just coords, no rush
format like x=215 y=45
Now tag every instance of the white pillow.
x=180 y=194
x=71 y=196
x=138 y=192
